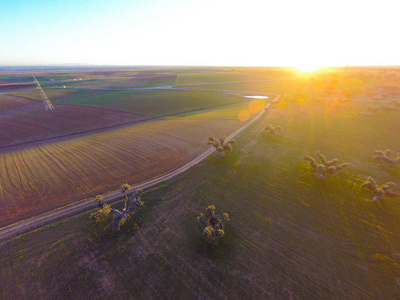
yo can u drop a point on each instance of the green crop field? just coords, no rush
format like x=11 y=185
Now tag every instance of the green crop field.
x=292 y=234
x=156 y=102
x=286 y=86
x=204 y=78
x=234 y=75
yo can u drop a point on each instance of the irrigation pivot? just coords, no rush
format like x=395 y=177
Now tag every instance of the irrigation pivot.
x=46 y=100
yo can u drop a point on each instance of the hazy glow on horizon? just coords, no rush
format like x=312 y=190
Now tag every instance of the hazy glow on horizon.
x=306 y=34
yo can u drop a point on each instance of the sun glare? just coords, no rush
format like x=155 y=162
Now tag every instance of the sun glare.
x=308 y=68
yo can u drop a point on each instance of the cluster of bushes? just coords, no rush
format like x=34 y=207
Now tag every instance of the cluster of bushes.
x=326 y=167
x=221 y=145
x=381 y=191
x=331 y=167
x=385 y=157
x=271 y=129
x=371 y=109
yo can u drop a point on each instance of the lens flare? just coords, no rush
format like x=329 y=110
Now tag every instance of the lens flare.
x=244 y=115
x=256 y=105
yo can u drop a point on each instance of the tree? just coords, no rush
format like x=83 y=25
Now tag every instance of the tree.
x=120 y=216
x=213 y=226
x=326 y=167
x=104 y=210
x=221 y=145
x=382 y=191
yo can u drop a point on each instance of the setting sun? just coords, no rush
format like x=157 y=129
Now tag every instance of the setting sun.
x=308 y=68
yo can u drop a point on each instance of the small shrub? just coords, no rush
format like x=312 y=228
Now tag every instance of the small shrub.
x=124 y=188
x=101 y=213
x=99 y=200
x=365 y=114
x=372 y=108
x=389 y=108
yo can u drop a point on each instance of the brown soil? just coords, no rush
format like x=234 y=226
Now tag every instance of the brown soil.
x=8 y=101
x=15 y=86
x=20 y=123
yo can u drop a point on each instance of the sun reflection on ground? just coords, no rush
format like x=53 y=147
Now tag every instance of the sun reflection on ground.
x=244 y=115
x=255 y=106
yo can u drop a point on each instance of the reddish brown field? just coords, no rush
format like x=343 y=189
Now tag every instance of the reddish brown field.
x=27 y=124
x=6 y=87
x=48 y=175
x=8 y=101
x=15 y=79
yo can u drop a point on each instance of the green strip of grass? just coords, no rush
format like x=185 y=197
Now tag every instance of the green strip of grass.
x=155 y=102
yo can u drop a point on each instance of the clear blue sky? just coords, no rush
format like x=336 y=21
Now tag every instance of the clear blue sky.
x=182 y=32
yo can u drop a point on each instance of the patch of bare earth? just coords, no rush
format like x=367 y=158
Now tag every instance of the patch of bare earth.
x=21 y=124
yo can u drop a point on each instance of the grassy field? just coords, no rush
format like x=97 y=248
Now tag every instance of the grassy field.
x=292 y=235
x=156 y=102
x=234 y=74
x=121 y=82
x=15 y=79
x=204 y=78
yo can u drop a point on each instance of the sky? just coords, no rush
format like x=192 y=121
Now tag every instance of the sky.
x=305 y=34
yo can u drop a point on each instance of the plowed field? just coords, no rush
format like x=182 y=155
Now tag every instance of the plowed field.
x=5 y=87
x=22 y=124
x=8 y=101
x=46 y=176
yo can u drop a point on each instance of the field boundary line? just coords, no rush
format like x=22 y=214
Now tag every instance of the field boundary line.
x=85 y=205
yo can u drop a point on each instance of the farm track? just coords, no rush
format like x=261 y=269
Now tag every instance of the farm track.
x=85 y=205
